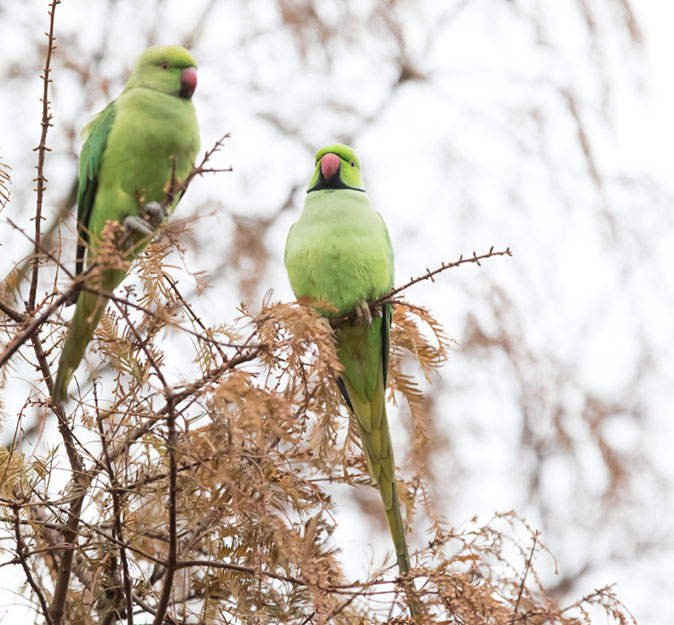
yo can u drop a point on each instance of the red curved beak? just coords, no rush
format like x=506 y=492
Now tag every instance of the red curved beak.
x=329 y=165
x=188 y=82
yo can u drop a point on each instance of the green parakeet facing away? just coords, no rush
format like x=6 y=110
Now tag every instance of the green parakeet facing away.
x=133 y=147
x=340 y=251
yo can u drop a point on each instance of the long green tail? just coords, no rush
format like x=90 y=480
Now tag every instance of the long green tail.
x=363 y=387
x=90 y=308
x=396 y=527
x=376 y=437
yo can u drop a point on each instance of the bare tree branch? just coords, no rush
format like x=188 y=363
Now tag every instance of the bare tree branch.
x=23 y=559
x=115 y=492
x=41 y=151
x=524 y=577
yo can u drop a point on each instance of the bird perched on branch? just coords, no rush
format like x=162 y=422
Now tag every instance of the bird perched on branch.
x=340 y=251
x=135 y=148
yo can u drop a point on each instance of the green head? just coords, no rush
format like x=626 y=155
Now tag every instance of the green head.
x=169 y=69
x=337 y=167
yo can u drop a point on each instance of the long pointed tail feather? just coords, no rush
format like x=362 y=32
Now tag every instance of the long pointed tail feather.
x=376 y=437
x=381 y=464
x=363 y=352
x=397 y=529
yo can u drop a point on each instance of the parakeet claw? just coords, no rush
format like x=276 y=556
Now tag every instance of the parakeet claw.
x=155 y=213
x=138 y=224
x=363 y=312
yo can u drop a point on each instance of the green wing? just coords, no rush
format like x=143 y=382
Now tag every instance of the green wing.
x=93 y=150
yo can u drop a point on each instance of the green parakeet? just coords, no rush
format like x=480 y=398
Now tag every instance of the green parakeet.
x=340 y=251
x=133 y=147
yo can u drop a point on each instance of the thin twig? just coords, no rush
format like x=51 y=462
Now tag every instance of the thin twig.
x=389 y=297
x=430 y=275
x=340 y=608
x=157 y=315
x=138 y=600
x=309 y=618
x=70 y=534
x=23 y=557
x=587 y=599
x=74 y=457
x=194 y=316
x=5 y=184
x=176 y=188
x=31 y=328
x=150 y=479
x=241 y=569
x=115 y=492
x=51 y=526
x=42 y=149
x=15 y=315
x=354 y=588
x=524 y=578
x=173 y=541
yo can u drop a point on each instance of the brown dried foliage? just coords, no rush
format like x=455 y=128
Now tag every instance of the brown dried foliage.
x=5 y=182
x=260 y=437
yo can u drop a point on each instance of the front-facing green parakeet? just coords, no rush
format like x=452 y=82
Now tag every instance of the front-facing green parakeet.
x=340 y=251
x=134 y=147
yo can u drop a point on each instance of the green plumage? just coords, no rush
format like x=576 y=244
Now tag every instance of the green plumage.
x=340 y=251
x=127 y=160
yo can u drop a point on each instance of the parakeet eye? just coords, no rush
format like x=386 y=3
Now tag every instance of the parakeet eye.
x=353 y=163
x=164 y=66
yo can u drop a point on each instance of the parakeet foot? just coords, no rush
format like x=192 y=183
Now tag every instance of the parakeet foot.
x=155 y=213
x=363 y=312
x=138 y=224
